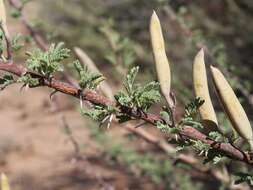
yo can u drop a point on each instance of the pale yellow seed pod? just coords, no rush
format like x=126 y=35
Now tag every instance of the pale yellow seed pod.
x=4 y=182
x=232 y=106
x=3 y=20
x=161 y=60
x=201 y=89
x=2 y=13
x=86 y=60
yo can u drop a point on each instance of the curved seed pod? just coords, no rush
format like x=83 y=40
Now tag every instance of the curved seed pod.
x=161 y=61
x=232 y=106
x=85 y=59
x=4 y=182
x=201 y=88
x=2 y=13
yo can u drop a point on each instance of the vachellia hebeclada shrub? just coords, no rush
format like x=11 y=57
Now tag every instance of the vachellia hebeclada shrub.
x=204 y=135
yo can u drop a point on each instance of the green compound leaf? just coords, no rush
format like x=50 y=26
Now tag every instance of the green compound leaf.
x=123 y=99
x=130 y=79
x=15 y=42
x=214 y=156
x=162 y=127
x=99 y=113
x=191 y=108
x=47 y=63
x=215 y=135
x=146 y=96
x=87 y=79
x=6 y=80
x=28 y=80
x=136 y=95
x=201 y=147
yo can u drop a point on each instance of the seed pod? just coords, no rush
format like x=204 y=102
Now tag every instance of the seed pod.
x=201 y=88
x=2 y=13
x=232 y=106
x=161 y=61
x=4 y=182
x=85 y=59
x=3 y=23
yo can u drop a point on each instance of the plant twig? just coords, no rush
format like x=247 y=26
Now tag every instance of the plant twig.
x=95 y=98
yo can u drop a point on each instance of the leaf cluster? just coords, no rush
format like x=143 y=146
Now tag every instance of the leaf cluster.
x=136 y=95
x=214 y=157
x=15 y=42
x=162 y=127
x=87 y=79
x=201 y=147
x=191 y=112
x=6 y=80
x=98 y=113
x=1 y=41
x=216 y=136
x=47 y=63
x=28 y=80
x=191 y=109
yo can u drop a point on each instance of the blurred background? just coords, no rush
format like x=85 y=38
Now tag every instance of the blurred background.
x=46 y=145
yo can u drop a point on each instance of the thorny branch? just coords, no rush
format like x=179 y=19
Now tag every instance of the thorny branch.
x=95 y=98
x=160 y=143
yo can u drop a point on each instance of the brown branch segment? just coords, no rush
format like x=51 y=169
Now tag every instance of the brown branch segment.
x=95 y=98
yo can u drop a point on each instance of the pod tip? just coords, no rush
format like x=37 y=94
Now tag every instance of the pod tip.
x=3 y=177
x=200 y=55
x=154 y=15
x=76 y=48
x=201 y=51
x=213 y=68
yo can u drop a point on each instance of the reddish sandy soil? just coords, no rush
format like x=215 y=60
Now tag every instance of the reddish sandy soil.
x=36 y=153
